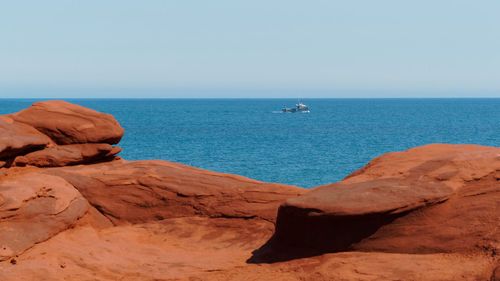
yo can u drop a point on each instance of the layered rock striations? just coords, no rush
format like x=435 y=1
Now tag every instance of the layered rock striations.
x=70 y=209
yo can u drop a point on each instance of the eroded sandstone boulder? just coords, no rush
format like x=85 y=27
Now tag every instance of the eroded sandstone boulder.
x=141 y=191
x=17 y=138
x=433 y=199
x=57 y=133
x=389 y=196
x=67 y=123
x=33 y=208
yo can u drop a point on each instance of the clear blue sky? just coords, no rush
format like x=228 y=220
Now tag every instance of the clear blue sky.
x=200 y=48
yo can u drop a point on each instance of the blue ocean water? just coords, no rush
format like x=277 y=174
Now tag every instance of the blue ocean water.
x=247 y=137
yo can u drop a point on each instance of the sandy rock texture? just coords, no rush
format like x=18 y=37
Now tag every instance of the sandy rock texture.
x=33 y=208
x=71 y=210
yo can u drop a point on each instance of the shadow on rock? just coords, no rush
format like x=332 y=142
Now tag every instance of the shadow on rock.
x=299 y=234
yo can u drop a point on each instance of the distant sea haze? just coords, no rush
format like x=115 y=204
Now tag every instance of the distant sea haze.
x=251 y=138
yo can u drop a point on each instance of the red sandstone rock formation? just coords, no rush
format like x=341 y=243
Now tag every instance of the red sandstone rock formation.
x=56 y=134
x=70 y=210
x=67 y=123
x=433 y=199
x=142 y=191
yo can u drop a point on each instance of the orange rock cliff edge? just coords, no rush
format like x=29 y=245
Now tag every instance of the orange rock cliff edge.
x=71 y=209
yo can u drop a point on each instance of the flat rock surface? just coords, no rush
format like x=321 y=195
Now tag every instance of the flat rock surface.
x=166 y=249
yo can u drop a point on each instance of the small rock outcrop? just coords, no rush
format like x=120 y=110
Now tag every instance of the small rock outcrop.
x=57 y=133
x=67 y=123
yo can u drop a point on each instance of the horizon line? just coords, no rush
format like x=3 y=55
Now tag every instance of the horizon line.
x=235 y=98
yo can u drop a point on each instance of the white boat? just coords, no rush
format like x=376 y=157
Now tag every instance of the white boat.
x=299 y=108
